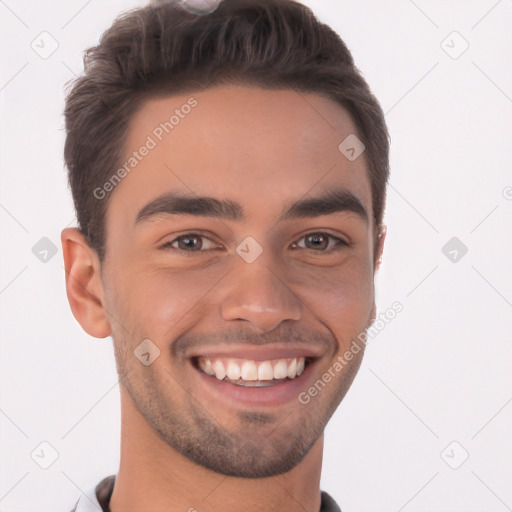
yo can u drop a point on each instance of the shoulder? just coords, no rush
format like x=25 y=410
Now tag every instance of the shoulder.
x=328 y=504
x=97 y=498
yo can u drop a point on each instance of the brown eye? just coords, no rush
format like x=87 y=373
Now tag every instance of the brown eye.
x=317 y=241
x=321 y=242
x=191 y=242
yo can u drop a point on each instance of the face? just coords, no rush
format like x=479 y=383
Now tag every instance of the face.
x=241 y=243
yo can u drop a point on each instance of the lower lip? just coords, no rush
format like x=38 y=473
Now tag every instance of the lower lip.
x=271 y=396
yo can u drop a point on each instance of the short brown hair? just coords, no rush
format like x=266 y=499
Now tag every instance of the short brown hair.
x=162 y=49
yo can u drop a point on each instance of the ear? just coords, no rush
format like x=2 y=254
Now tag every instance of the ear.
x=379 y=249
x=84 y=286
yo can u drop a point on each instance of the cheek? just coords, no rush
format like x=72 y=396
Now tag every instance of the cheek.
x=157 y=301
x=341 y=297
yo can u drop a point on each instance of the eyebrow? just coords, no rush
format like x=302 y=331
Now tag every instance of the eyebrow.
x=173 y=203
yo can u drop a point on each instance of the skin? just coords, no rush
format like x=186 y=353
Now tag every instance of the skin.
x=263 y=149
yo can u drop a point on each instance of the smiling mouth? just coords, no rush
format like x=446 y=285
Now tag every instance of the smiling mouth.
x=252 y=373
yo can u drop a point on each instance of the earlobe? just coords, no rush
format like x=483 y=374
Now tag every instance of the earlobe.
x=84 y=285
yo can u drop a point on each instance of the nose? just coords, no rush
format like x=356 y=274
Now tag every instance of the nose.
x=257 y=294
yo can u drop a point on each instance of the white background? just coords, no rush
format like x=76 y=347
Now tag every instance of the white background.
x=438 y=373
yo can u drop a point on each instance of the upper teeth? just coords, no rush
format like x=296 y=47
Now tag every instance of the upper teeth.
x=250 y=370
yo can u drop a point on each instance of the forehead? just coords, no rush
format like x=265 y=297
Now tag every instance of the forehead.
x=252 y=145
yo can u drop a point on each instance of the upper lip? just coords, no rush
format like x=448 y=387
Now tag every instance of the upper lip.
x=256 y=352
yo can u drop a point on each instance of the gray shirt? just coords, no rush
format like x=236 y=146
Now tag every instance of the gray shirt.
x=103 y=492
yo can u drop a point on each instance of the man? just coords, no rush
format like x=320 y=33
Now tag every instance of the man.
x=228 y=170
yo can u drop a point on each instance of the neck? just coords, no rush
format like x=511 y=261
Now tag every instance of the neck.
x=153 y=477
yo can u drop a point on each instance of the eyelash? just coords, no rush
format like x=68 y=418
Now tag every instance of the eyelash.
x=340 y=243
